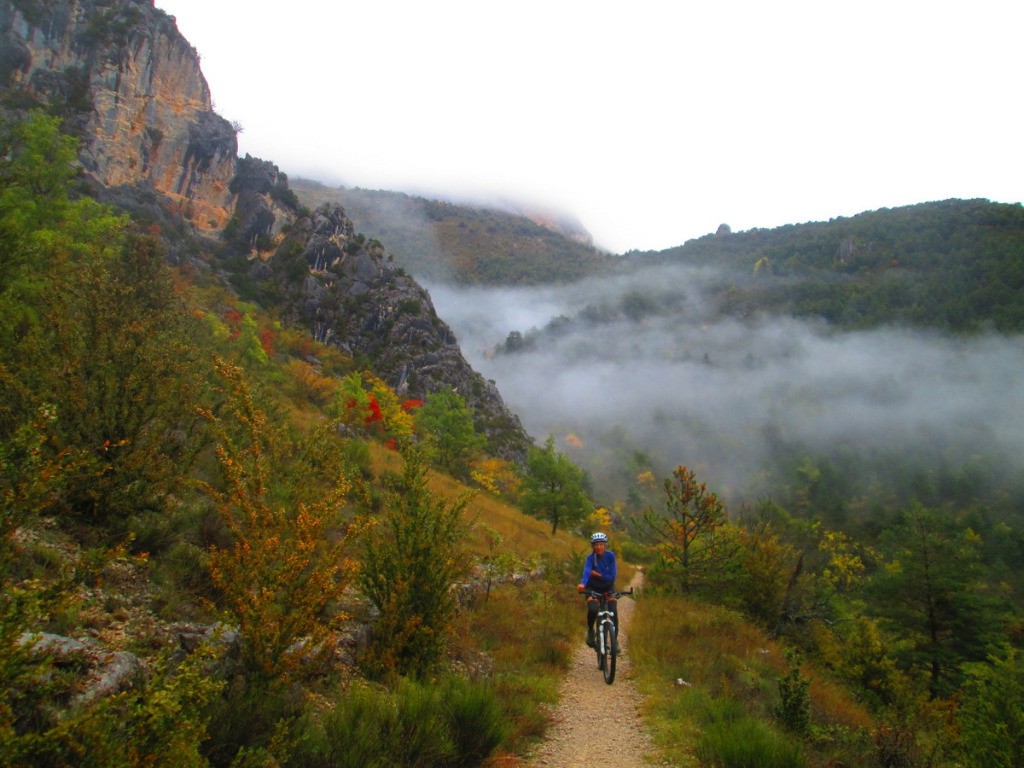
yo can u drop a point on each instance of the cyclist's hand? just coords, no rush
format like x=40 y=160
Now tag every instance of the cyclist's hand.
x=580 y=587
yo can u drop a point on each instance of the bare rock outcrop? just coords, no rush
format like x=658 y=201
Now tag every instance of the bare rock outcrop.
x=132 y=88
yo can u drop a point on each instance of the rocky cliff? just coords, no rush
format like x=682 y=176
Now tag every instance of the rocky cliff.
x=348 y=290
x=129 y=86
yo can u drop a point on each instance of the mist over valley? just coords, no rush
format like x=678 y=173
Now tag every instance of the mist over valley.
x=872 y=358
x=734 y=398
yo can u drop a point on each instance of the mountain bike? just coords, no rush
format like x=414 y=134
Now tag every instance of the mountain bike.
x=605 y=635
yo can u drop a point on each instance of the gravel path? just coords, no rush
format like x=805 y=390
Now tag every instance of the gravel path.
x=598 y=724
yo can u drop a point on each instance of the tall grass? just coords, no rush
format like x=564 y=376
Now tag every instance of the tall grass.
x=746 y=743
x=510 y=654
x=713 y=696
x=522 y=637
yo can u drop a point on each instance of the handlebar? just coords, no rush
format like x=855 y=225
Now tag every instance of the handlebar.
x=599 y=595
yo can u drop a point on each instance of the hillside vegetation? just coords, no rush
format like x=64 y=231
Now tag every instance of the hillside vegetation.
x=223 y=543
x=838 y=557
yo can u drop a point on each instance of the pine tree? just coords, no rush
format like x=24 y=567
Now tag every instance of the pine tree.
x=691 y=536
x=930 y=593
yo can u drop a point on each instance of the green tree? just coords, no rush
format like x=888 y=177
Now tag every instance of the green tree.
x=92 y=334
x=411 y=560
x=35 y=168
x=41 y=228
x=553 y=488
x=931 y=595
x=128 y=383
x=446 y=425
x=768 y=563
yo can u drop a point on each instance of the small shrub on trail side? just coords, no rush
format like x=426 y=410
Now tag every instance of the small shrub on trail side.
x=456 y=724
x=794 y=709
x=410 y=560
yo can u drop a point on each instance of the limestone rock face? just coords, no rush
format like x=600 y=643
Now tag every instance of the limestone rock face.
x=132 y=88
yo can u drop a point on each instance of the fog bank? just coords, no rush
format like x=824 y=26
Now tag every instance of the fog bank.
x=721 y=395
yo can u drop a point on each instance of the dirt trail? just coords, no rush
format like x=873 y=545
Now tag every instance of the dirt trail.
x=598 y=724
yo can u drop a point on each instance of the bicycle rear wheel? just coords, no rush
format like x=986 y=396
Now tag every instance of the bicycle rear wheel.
x=608 y=640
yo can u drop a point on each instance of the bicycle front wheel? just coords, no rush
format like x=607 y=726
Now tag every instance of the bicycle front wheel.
x=608 y=640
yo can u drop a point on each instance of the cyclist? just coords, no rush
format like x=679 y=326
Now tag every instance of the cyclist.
x=599 y=573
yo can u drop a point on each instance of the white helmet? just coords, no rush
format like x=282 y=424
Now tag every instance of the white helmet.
x=598 y=537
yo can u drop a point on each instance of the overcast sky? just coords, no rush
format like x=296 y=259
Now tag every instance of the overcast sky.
x=650 y=122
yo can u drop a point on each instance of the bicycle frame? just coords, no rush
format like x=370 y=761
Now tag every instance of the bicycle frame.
x=605 y=621
x=606 y=642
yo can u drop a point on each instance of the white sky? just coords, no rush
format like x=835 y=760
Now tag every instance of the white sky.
x=651 y=122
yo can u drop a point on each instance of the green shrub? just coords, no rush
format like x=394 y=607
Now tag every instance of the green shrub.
x=556 y=654
x=410 y=307
x=634 y=553
x=152 y=532
x=351 y=735
x=357 y=454
x=794 y=708
x=411 y=559
x=187 y=567
x=246 y=718
x=991 y=716
x=159 y=722
x=420 y=736
x=457 y=723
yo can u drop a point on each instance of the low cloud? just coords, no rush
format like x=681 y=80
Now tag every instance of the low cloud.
x=722 y=394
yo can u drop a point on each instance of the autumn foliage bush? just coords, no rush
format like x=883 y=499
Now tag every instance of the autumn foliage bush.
x=287 y=566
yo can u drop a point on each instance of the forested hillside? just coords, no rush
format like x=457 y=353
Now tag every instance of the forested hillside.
x=835 y=406
x=956 y=265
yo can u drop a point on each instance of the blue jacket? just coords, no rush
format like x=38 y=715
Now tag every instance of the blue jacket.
x=605 y=565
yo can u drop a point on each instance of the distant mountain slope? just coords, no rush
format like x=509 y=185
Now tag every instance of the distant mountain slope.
x=955 y=265
x=465 y=244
